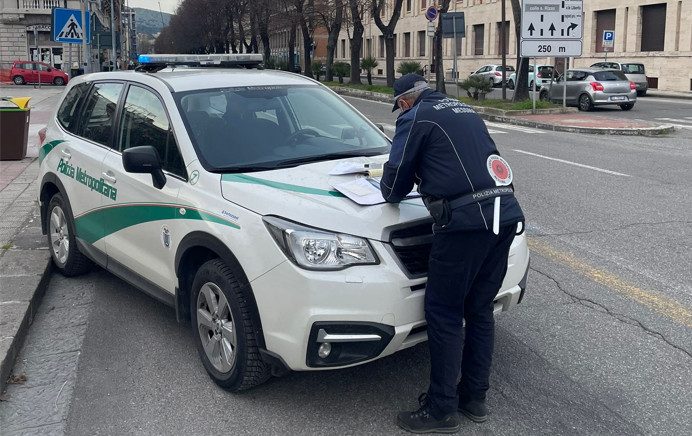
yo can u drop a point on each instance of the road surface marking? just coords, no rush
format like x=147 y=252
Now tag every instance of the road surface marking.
x=494 y=132
x=389 y=127
x=663 y=305
x=513 y=127
x=678 y=120
x=615 y=173
x=370 y=101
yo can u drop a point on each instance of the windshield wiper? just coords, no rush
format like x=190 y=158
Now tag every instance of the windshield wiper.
x=294 y=162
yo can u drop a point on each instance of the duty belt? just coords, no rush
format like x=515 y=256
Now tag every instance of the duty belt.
x=475 y=196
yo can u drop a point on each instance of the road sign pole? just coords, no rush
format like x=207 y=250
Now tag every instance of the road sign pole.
x=533 y=99
x=564 y=84
x=85 y=47
x=503 y=47
x=113 y=37
x=454 y=64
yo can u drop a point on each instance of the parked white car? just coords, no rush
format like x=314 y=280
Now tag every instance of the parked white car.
x=493 y=73
x=209 y=189
x=544 y=74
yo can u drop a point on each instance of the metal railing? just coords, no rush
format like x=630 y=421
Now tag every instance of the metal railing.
x=41 y=4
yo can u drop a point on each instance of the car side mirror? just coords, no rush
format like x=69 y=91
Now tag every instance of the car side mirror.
x=49 y=70
x=145 y=160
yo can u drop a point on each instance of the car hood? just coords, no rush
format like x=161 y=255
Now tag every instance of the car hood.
x=304 y=194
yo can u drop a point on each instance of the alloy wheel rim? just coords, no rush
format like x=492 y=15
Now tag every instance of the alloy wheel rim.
x=216 y=327
x=59 y=235
x=584 y=102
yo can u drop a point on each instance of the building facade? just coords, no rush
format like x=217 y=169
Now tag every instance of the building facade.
x=655 y=33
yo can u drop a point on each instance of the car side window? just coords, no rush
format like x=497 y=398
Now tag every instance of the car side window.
x=68 y=113
x=144 y=122
x=99 y=113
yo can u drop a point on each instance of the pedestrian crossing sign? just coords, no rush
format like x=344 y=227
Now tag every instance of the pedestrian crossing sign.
x=67 y=26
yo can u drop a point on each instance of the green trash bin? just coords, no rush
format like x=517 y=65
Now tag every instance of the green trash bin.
x=14 y=130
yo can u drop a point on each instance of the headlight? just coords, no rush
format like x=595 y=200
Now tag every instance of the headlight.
x=316 y=249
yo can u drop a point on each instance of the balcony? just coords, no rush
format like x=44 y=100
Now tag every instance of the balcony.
x=40 y=5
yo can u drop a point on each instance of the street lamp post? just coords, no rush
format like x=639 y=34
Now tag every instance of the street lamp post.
x=113 y=37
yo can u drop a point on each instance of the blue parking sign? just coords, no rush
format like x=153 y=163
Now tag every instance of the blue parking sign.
x=67 y=26
x=608 y=35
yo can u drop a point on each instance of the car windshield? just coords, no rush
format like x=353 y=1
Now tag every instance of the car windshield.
x=507 y=68
x=267 y=127
x=633 y=68
x=545 y=71
x=609 y=76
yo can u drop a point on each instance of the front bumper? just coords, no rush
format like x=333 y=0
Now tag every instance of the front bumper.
x=300 y=309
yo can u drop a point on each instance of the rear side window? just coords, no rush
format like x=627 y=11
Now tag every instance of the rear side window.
x=609 y=76
x=69 y=109
x=633 y=68
x=99 y=112
x=145 y=122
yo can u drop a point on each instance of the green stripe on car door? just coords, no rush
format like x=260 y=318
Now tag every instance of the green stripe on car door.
x=47 y=148
x=243 y=178
x=99 y=223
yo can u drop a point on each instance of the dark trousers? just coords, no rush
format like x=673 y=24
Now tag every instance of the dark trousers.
x=465 y=274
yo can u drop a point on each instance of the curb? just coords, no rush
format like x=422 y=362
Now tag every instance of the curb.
x=494 y=115
x=15 y=326
x=676 y=96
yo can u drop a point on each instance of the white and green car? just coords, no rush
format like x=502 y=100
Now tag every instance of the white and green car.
x=208 y=188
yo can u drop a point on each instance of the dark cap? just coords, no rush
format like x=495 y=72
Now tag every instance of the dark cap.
x=406 y=84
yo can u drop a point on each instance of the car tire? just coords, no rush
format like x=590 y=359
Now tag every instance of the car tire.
x=543 y=95
x=627 y=106
x=224 y=330
x=18 y=80
x=58 y=81
x=641 y=93
x=510 y=84
x=585 y=103
x=531 y=85
x=62 y=241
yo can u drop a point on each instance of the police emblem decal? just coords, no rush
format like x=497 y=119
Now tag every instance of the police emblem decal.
x=499 y=170
x=166 y=237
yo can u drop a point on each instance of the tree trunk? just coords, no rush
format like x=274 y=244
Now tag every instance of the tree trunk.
x=389 y=58
x=307 y=48
x=521 y=87
x=356 y=39
x=263 y=25
x=292 y=48
x=333 y=38
x=254 y=45
x=370 y=77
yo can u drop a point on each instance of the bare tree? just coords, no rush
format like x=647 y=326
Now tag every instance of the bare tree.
x=357 y=10
x=305 y=10
x=521 y=90
x=388 y=33
x=331 y=13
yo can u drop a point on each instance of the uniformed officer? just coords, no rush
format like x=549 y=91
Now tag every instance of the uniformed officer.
x=443 y=146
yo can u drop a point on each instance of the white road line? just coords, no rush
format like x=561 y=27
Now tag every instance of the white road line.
x=675 y=121
x=369 y=101
x=615 y=173
x=389 y=127
x=494 y=132
x=665 y=100
x=513 y=127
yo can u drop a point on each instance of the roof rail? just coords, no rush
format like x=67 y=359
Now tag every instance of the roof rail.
x=156 y=62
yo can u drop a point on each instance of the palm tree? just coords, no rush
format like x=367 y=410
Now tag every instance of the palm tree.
x=368 y=64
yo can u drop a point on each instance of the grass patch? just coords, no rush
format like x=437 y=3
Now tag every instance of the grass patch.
x=365 y=87
x=509 y=105
x=6 y=246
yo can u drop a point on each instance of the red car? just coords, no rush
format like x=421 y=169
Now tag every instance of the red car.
x=30 y=72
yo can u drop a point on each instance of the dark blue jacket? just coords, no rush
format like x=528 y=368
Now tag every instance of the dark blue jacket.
x=442 y=145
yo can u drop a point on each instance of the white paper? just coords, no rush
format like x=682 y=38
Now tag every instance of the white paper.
x=361 y=191
x=342 y=168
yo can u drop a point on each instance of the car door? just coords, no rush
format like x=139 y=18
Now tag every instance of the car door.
x=556 y=89
x=573 y=84
x=44 y=73
x=82 y=157
x=144 y=220
x=31 y=72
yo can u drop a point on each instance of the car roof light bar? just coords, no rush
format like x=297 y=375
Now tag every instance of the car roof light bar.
x=158 y=61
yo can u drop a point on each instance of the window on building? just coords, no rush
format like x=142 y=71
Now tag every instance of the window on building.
x=368 y=47
x=343 y=48
x=423 y=4
x=407 y=44
x=421 y=43
x=478 y=37
x=498 y=48
x=408 y=5
x=381 y=41
x=605 y=20
x=460 y=44
x=653 y=27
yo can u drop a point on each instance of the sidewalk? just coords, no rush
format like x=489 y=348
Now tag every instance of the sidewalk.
x=24 y=258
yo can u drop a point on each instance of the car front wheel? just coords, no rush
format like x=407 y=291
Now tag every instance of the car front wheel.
x=18 y=80
x=585 y=103
x=225 y=333
x=58 y=81
x=626 y=106
x=61 y=240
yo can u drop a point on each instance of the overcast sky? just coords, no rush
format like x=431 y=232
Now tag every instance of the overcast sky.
x=166 y=5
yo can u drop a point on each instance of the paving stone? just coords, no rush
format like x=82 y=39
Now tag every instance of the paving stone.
x=23 y=262
x=19 y=288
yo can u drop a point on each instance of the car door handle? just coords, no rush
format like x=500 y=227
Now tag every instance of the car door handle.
x=108 y=177
x=66 y=154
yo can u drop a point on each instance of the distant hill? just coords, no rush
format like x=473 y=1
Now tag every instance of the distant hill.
x=149 y=21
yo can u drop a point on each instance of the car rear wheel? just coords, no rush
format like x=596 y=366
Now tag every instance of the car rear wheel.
x=18 y=80
x=531 y=85
x=58 y=81
x=224 y=331
x=61 y=240
x=626 y=106
x=585 y=103
x=543 y=95
x=510 y=84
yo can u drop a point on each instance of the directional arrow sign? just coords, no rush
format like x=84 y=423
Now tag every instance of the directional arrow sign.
x=552 y=28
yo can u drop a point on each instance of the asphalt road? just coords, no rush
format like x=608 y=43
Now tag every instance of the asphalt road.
x=602 y=343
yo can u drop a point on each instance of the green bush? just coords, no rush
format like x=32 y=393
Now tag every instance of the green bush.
x=476 y=86
x=368 y=64
x=281 y=64
x=270 y=64
x=317 y=67
x=407 y=67
x=341 y=70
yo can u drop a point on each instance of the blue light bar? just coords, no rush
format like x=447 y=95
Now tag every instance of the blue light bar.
x=201 y=60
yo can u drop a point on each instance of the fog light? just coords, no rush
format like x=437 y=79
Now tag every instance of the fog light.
x=324 y=350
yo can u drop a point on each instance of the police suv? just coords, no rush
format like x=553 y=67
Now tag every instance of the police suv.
x=204 y=181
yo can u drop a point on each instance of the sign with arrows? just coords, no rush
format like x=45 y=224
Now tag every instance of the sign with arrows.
x=552 y=28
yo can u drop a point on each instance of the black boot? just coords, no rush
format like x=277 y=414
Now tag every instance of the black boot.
x=422 y=421
x=475 y=410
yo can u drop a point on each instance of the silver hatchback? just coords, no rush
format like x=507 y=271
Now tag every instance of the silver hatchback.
x=589 y=87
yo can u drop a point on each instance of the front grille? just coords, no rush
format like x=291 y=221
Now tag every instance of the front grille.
x=412 y=247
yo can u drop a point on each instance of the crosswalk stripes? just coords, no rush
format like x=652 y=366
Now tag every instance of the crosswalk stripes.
x=681 y=123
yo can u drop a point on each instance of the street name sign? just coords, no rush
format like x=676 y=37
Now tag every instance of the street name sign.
x=67 y=26
x=608 y=40
x=552 y=28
